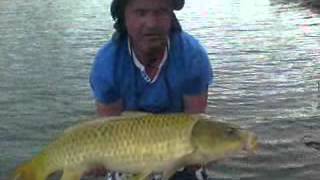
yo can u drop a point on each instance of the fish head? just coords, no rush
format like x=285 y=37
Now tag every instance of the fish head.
x=214 y=140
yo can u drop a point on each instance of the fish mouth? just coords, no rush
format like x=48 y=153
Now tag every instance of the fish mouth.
x=251 y=144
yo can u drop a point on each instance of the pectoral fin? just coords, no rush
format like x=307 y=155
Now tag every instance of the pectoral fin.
x=72 y=174
x=172 y=168
x=142 y=176
x=168 y=173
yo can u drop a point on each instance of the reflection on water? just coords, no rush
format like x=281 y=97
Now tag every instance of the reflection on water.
x=266 y=58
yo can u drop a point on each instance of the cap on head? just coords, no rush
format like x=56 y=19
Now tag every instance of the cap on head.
x=178 y=4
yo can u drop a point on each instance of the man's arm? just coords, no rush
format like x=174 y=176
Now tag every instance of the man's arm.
x=195 y=104
x=113 y=109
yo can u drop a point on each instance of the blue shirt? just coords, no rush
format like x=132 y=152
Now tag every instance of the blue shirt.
x=187 y=71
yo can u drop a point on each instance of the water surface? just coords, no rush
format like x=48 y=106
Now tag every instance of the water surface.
x=266 y=59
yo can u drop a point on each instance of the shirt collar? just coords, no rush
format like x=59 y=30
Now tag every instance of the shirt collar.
x=141 y=67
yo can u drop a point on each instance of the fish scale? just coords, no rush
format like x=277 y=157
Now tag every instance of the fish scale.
x=119 y=145
x=152 y=144
x=139 y=144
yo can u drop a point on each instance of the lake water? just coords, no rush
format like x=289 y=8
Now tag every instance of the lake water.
x=266 y=58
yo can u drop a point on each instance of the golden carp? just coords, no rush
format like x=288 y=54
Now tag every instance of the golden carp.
x=139 y=144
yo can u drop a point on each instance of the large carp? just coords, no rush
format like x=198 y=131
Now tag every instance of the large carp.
x=139 y=144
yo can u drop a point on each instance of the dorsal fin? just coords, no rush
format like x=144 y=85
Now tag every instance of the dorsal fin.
x=135 y=113
x=101 y=120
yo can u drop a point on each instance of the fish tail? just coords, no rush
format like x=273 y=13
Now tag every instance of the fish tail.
x=28 y=171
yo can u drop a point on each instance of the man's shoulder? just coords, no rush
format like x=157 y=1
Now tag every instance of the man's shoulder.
x=187 y=43
x=186 y=36
x=110 y=48
x=110 y=51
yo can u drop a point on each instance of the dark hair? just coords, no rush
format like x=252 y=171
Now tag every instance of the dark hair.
x=117 y=12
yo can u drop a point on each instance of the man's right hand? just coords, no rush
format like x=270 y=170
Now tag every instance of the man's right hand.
x=113 y=109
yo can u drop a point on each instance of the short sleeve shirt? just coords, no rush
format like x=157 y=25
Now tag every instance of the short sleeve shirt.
x=186 y=72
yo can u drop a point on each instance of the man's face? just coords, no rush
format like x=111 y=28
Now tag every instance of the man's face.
x=148 y=23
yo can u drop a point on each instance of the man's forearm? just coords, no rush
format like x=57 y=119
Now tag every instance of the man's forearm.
x=195 y=104
x=113 y=109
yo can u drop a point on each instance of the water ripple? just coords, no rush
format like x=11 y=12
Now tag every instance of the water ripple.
x=265 y=56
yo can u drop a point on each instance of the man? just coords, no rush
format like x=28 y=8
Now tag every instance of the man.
x=150 y=64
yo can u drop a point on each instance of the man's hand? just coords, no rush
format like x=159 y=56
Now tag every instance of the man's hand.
x=113 y=109
x=195 y=104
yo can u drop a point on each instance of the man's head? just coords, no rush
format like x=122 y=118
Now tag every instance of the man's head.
x=118 y=14
x=118 y=7
x=147 y=22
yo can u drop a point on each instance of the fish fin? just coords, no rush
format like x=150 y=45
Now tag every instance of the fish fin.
x=172 y=168
x=102 y=120
x=142 y=176
x=134 y=114
x=72 y=174
x=168 y=173
x=27 y=171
